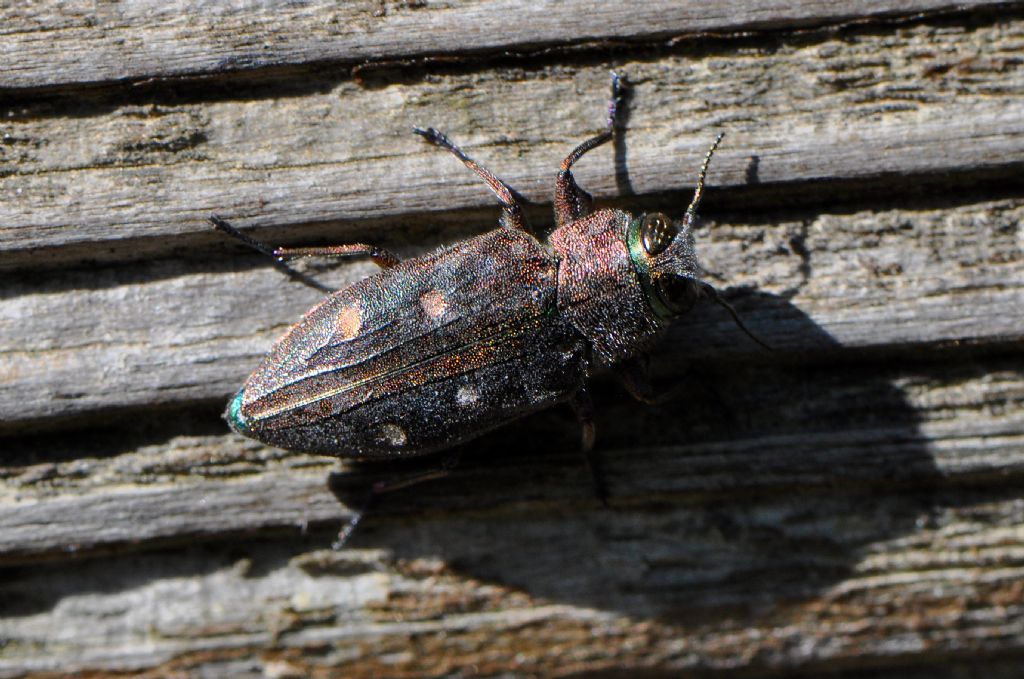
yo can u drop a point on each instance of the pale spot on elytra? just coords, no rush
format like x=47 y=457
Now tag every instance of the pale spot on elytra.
x=349 y=322
x=467 y=395
x=392 y=435
x=433 y=303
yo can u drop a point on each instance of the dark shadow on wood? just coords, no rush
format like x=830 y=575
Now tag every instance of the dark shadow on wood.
x=107 y=434
x=689 y=533
x=759 y=489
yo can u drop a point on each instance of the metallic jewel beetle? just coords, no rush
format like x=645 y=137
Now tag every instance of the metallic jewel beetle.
x=436 y=350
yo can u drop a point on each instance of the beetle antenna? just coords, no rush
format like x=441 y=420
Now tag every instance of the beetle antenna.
x=713 y=294
x=698 y=193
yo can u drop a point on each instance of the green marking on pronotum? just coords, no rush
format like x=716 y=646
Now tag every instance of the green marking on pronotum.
x=235 y=413
x=639 y=258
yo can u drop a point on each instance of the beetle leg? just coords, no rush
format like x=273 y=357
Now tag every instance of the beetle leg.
x=385 y=486
x=512 y=215
x=572 y=202
x=381 y=257
x=262 y=247
x=633 y=374
x=584 y=407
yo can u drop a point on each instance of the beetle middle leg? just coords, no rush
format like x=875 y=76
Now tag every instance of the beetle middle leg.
x=572 y=202
x=634 y=375
x=512 y=214
x=583 y=406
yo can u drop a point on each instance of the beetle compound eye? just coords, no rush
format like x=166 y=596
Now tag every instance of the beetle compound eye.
x=677 y=292
x=657 y=233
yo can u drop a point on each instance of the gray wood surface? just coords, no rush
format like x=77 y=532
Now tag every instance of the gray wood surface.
x=76 y=42
x=851 y=503
x=122 y=177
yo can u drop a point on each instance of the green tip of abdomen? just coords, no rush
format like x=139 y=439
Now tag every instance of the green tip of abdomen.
x=234 y=414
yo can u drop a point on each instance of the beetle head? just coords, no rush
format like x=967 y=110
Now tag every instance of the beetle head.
x=663 y=253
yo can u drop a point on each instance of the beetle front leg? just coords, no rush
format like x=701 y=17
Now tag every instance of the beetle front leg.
x=572 y=202
x=583 y=406
x=512 y=215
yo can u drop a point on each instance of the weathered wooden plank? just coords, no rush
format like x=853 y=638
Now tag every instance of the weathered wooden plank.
x=760 y=585
x=132 y=335
x=77 y=42
x=840 y=515
x=921 y=100
x=814 y=511
x=739 y=432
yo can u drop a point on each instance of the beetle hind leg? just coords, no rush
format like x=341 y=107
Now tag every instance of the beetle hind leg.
x=381 y=257
x=572 y=202
x=512 y=214
x=260 y=246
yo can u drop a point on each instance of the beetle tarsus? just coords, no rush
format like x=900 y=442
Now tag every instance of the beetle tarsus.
x=384 y=486
x=259 y=246
x=349 y=528
x=572 y=202
x=617 y=99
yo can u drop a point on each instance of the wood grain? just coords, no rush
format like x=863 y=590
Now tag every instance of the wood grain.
x=75 y=42
x=865 y=527
x=711 y=600
x=865 y=106
x=849 y=504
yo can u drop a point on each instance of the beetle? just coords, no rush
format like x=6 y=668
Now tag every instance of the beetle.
x=436 y=350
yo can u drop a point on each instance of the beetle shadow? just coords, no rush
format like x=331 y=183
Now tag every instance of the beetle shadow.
x=766 y=483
